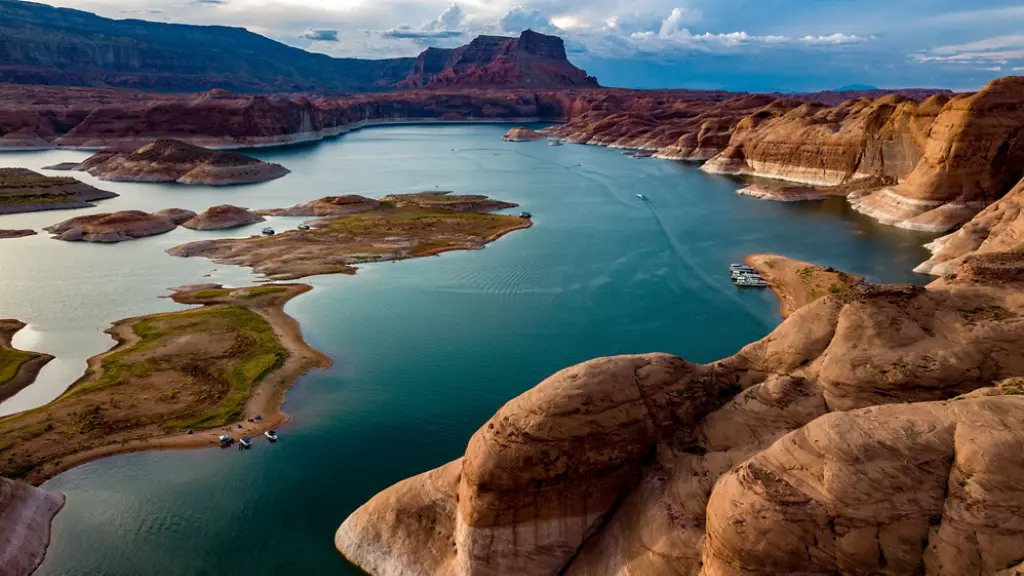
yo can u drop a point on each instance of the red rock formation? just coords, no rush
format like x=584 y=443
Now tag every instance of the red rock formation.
x=329 y=206
x=531 y=61
x=222 y=217
x=175 y=161
x=119 y=226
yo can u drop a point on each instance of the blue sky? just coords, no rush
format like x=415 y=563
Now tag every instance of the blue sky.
x=715 y=44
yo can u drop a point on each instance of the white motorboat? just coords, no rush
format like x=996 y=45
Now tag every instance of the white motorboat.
x=268 y=231
x=642 y=197
x=271 y=435
x=245 y=442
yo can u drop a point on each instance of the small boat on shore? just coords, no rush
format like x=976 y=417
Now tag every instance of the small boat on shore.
x=268 y=231
x=225 y=440
x=245 y=442
x=525 y=215
x=271 y=435
x=303 y=226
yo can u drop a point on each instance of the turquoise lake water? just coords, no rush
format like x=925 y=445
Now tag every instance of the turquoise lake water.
x=425 y=350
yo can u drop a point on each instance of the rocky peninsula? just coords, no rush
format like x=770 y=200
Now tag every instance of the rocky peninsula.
x=222 y=217
x=874 y=431
x=25 y=516
x=201 y=369
x=22 y=190
x=176 y=161
x=797 y=283
x=18 y=368
x=355 y=230
x=119 y=226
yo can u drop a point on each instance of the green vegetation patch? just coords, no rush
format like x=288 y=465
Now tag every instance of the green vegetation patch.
x=993 y=313
x=11 y=361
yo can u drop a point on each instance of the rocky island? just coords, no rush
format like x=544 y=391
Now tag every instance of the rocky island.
x=874 y=431
x=18 y=368
x=23 y=190
x=5 y=234
x=119 y=226
x=176 y=161
x=398 y=227
x=328 y=206
x=199 y=369
x=222 y=217
x=522 y=135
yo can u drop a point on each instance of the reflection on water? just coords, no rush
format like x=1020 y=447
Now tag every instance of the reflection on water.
x=426 y=349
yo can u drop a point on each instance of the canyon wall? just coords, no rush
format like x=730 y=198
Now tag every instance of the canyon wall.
x=874 y=431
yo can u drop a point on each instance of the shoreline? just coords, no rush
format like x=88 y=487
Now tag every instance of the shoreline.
x=296 y=138
x=266 y=399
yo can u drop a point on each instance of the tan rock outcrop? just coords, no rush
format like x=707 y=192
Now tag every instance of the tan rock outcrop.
x=825 y=447
x=25 y=516
x=222 y=217
x=998 y=228
x=520 y=134
x=22 y=190
x=119 y=226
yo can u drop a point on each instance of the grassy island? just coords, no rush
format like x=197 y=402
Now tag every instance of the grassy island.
x=23 y=190
x=398 y=227
x=18 y=368
x=198 y=369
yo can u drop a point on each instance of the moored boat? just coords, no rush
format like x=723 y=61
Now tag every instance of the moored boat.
x=271 y=435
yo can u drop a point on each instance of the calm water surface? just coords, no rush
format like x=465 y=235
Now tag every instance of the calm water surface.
x=425 y=350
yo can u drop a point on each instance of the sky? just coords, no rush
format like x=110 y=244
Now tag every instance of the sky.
x=754 y=45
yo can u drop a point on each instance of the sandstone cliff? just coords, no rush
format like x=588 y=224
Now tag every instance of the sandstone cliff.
x=520 y=134
x=873 y=432
x=998 y=228
x=25 y=516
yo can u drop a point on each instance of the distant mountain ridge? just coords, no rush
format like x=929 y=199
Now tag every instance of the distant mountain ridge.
x=41 y=44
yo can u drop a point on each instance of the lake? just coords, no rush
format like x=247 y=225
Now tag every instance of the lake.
x=425 y=350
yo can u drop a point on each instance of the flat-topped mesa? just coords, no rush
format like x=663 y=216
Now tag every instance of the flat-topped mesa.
x=18 y=368
x=327 y=206
x=532 y=60
x=176 y=161
x=652 y=465
x=998 y=228
x=22 y=190
x=353 y=230
x=26 y=513
x=119 y=226
x=520 y=134
x=222 y=217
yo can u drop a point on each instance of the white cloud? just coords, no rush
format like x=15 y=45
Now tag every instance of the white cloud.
x=678 y=18
x=519 y=18
x=450 y=19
